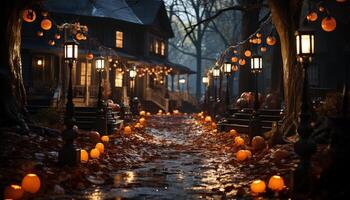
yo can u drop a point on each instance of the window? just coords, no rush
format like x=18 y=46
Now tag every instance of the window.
x=118 y=79
x=119 y=39
x=162 y=48
x=156 y=47
x=84 y=75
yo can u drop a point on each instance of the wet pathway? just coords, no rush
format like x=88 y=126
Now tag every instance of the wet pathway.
x=190 y=167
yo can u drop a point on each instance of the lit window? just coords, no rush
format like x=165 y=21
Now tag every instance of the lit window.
x=156 y=47
x=118 y=80
x=83 y=74
x=119 y=39
x=162 y=48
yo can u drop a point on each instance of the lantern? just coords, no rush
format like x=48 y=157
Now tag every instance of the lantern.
x=321 y=9
x=127 y=130
x=40 y=33
x=105 y=138
x=182 y=80
x=216 y=72
x=207 y=119
x=100 y=147
x=168 y=113
x=234 y=68
x=259 y=35
x=239 y=141
x=263 y=49
x=205 y=80
x=79 y=36
x=258 y=41
x=138 y=125
x=258 y=186
x=256 y=64
x=247 y=53
x=100 y=63
x=142 y=113
x=234 y=59
x=241 y=61
x=328 y=24
x=227 y=67
x=13 y=192
x=305 y=43
x=29 y=15
x=312 y=16
x=52 y=42
x=258 y=143
x=142 y=121
x=276 y=183
x=132 y=73
x=176 y=112
x=84 y=156
x=271 y=40
x=31 y=183
x=57 y=36
x=233 y=132
x=46 y=24
x=71 y=50
x=94 y=153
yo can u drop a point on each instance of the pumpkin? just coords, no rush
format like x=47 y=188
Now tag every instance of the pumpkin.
x=143 y=120
x=276 y=183
x=94 y=136
x=234 y=59
x=90 y=56
x=105 y=138
x=57 y=36
x=239 y=141
x=13 y=192
x=233 y=132
x=329 y=24
x=258 y=143
x=258 y=186
x=207 y=119
x=148 y=114
x=100 y=147
x=94 y=153
x=31 y=183
x=263 y=49
x=271 y=40
x=127 y=130
x=142 y=113
x=241 y=61
x=84 y=156
x=312 y=16
x=213 y=125
x=46 y=24
x=242 y=155
x=29 y=15
x=247 y=53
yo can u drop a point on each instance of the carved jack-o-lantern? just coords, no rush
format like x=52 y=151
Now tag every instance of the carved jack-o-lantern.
x=328 y=24
x=46 y=24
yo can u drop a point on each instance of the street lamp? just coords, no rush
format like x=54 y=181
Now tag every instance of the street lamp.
x=227 y=71
x=69 y=155
x=205 y=81
x=216 y=75
x=182 y=81
x=134 y=100
x=305 y=147
x=100 y=65
x=256 y=68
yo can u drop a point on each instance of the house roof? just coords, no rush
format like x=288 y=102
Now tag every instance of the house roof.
x=146 y=10
x=116 y=9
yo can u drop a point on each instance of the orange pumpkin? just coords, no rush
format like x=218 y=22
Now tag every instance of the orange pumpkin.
x=276 y=183
x=84 y=156
x=213 y=125
x=312 y=16
x=105 y=138
x=239 y=141
x=242 y=155
x=207 y=119
x=31 y=183
x=100 y=147
x=233 y=132
x=241 y=61
x=143 y=120
x=13 y=192
x=46 y=24
x=248 y=53
x=127 y=130
x=329 y=24
x=29 y=15
x=234 y=59
x=94 y=153
x=258 y=186
x=90 y=56
x=271 y=40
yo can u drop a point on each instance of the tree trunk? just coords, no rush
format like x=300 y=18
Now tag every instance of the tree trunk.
x=276 y=70
x=199 y=70
x=285 y=16
x=12 y=92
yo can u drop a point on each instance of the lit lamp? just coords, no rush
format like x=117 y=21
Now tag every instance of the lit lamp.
x=256 y=68
x=305 y=147
x=205 y=81
x=101 y=119
x=100 y=65
x=227 y=71
x=69 y=155
x=134 y=100
x=216 y=75
x=182 y=81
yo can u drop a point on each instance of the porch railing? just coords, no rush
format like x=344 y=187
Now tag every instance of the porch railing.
x=157 y=98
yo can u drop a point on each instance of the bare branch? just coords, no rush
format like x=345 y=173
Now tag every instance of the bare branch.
x=189 y=53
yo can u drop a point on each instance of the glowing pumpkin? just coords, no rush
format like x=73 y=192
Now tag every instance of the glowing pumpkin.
x=328 y=24
x=29 y=15
x=168 y=114
x=271 y=40
x=160 y=111
x=105 y=138
x=148 y=114
x=13 y=192
x=142 y=113
x=213 y=125
x=276 y=183
x=239 y=141
x=84 y=156
x=100 y=147
x=94 y=153
x=127 y=130
x=241 y=61
x=207 y=119
x=90 y=56
x=258 y=186
x=242 y=155
x=248 y=53
x=46 y=24
x=263 y=49
x=31 y=183
x=233 y=132
x=258 y=41
x=142 y=121
x=312 y=16
x=234 y=59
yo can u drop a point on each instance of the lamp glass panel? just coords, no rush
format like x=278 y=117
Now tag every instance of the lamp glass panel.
x=75 y=51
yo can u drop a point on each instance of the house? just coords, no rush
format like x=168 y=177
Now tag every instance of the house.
x=129 y=35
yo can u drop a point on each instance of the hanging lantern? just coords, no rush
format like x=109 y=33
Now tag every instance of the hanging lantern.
x=258 y=40
x=90 y=56
x=79 y=36
x=248 y=53
x=312 y=16
x=234 y=68
x=251 y=40
x=40 y=33
x=52 y=42
x=234 y=59
x=29 y=15
x=263 y=49
x=57 y=36
x=329 y=24
x=235 y=51
x=44 y=13
x=241 y=61
x=321 y=9
x=258 y=35
x=271 y=40
x=46 y=24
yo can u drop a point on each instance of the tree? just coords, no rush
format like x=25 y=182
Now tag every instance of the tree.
x=12 y=92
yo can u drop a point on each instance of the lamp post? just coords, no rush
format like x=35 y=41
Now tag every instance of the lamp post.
x=227 y=71
x=100 y=65
x=69 y=155
x=256 y=68
x=205 y=81
x=134 y=99
x=216 y=75
x=304 y=147
x=182 y=81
